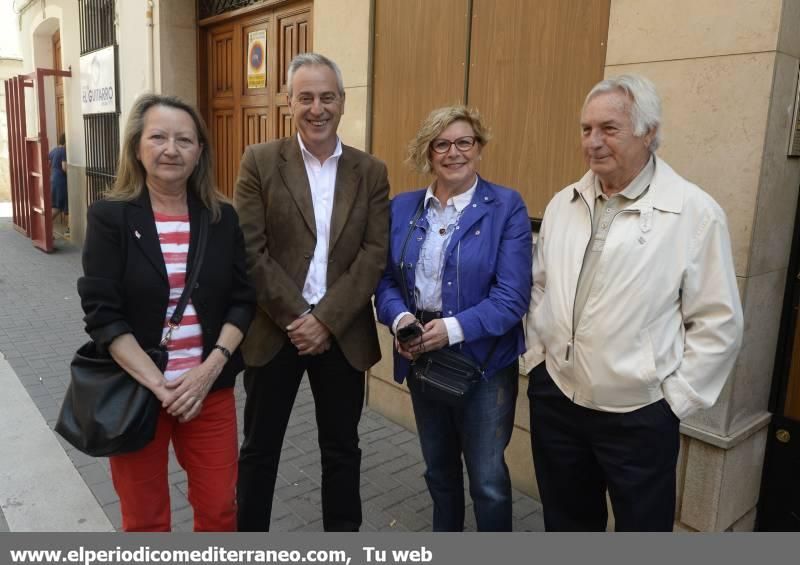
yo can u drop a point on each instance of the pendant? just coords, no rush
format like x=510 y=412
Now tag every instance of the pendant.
x=442 y=231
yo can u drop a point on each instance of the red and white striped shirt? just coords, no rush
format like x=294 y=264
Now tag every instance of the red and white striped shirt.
x=186 y=346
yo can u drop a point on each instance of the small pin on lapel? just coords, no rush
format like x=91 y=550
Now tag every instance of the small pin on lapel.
x=137 y=234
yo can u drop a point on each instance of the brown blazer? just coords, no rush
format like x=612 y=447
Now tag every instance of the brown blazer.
x=273 y=199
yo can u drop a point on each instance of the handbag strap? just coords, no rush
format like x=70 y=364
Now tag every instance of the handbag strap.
x=413 y=225
x=403 y=286
x=197 y=262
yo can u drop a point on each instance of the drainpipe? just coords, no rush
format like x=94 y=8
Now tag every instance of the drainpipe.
x=151 y=68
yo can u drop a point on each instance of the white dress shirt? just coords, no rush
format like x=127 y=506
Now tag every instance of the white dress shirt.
x=322 y=180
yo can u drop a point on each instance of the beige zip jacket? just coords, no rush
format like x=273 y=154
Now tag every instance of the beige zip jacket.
x=663 y=318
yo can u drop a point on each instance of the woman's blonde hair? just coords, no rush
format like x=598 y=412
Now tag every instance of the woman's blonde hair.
x=131 y=174
x=419 y=153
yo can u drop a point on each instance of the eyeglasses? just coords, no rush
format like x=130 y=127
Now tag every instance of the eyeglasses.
x=462 y=144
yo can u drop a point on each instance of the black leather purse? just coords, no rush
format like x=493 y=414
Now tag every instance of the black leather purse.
x=445 y=374
x=105 y=410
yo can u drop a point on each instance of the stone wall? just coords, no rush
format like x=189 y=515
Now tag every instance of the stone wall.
x=728 y=83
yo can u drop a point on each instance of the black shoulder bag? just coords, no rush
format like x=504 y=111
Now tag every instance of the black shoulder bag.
x=105 y=410
x=445 y=374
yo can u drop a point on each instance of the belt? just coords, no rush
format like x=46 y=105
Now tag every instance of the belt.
x=424 y=316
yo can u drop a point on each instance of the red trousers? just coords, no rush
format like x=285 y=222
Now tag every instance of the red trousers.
x=206 y=447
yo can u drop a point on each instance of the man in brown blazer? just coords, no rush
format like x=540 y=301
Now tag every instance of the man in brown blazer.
x=315 y=217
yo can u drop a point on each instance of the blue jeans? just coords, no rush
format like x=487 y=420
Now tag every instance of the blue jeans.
x=480 y=429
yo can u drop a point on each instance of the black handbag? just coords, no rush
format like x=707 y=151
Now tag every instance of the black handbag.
x=445 y=374
x=105 y=410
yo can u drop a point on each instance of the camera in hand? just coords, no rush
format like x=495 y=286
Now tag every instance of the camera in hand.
x=409 y=332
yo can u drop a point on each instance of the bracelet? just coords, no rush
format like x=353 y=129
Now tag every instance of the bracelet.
x=225 y=351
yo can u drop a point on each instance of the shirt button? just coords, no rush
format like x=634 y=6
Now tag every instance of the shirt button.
x=457 y=227
x=307 y=255
x=604 y=226
x=609 y=210
x=449 y=283
x=486 y=198
x=477 y=232
x=450 y=312
x=474 y=205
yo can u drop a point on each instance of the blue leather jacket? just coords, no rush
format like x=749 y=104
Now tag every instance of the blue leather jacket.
x=486 y=277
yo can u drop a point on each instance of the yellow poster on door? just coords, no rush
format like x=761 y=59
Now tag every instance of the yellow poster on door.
x=257 y=59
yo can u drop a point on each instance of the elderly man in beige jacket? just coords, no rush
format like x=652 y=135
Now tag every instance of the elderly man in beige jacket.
x=635 y=321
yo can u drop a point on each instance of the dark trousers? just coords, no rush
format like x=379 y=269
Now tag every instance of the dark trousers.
x=480 y=429
x=338 y=391
x=580 y=453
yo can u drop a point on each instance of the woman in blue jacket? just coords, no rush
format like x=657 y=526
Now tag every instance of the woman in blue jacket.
x=459 y=268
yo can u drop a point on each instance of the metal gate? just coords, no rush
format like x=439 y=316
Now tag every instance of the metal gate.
x=30 y=175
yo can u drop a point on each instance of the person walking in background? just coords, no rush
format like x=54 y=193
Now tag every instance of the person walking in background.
x=314 y=213
x=458 y=273
x=58 y=182
x=636 y=314
x=136 y=257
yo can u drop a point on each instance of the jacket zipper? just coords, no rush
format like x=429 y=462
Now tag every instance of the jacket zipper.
x=458 y=286
x=571 y=342
x=439 y=385
x=458 y=276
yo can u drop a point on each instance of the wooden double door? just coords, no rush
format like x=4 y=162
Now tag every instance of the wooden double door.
x=243 y=100
x=526 y=65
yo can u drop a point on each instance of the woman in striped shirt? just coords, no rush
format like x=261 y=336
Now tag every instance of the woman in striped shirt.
x=138 y=251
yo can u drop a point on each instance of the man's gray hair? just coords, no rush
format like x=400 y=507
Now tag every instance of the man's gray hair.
x=645 y=103
x=306 y=59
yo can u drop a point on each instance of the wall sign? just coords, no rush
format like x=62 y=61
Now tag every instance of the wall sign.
x=257 y=59
x=98 y=82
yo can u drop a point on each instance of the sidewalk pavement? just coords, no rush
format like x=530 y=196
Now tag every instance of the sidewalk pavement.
x=46 y=485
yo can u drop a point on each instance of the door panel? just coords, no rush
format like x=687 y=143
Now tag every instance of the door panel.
x=221 y=51
x=779 y=503
x=791 y=407
x=224 y=136
x=531 y=65
x=294 y=37
x=779 y=508
x=259 y=24
x=256 y=125
x=39 y=185
x=420 y=57
x=285 y=124
x=255 y=103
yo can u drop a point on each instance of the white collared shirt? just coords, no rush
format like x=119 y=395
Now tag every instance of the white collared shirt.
x=322 y=181
x=428 y=274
